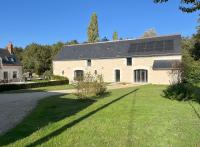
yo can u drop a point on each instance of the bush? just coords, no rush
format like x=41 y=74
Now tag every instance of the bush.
x=56 y=77
x=182 y=91
x=90 y=85
x=8 y=87
x=47 y=75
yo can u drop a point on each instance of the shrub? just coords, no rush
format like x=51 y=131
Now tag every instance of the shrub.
x=8 y=87
x=47 y=75
x=182 y=91
x=56 y=77
x=90 y=85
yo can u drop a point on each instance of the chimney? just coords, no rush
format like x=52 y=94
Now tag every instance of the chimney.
x=10 y=48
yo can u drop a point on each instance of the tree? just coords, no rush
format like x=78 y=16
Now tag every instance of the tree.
x=115 y=36
x=72 y=42
x=187 y=6
x=19 y=53
x=190 y=66
x=93 y=31
x=104 y=39
x=37 y=58
x=149 y=33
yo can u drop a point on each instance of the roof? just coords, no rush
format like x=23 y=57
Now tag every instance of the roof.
x=162 y=45
x=166 y=64
x=8 y=59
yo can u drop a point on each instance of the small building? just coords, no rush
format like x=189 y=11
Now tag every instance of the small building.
x=141 y=61
x=10 y=67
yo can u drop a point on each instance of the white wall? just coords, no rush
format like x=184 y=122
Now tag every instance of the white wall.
x=106 y=67
x=10 y=70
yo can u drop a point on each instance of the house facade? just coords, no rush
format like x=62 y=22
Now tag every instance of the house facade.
x=141 y=61
x=10 y=67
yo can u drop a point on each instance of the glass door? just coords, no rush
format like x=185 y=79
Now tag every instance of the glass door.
x=117 y=75
x=140 y=76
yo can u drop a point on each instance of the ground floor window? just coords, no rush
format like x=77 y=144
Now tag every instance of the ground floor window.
x=5 y=75
x=78 y=75
x=140 y=76
x=14 y=74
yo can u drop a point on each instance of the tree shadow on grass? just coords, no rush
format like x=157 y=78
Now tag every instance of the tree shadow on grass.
x=195 y=110
x=71 y=124
x=49 y=110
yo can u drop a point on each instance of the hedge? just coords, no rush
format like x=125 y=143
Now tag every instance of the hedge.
x=8 y=87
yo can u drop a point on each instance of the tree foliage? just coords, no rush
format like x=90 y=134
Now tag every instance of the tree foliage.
x=19 y=53
x=188 y=6
x=37 y=58
x=115 y=36
x=93 y=31
x=104 y=39
x=150 y=33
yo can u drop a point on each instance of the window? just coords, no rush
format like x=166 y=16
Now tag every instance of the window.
x=5 y=75
x=117 y=75
x=141 y=76
x=78 y=75
x=89 y=62
x=129 y=61
x=14 y=74
x=63 y=72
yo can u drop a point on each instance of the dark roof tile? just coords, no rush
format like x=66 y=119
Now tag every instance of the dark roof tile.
x=7 y=58
x=163 y=45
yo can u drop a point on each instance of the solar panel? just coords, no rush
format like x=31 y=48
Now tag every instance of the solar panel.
x=152 y=46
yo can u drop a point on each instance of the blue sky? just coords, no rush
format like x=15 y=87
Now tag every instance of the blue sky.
x=49 y=21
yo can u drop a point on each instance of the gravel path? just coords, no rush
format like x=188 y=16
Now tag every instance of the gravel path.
x=15 y=106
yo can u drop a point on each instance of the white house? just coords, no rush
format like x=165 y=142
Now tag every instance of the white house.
x=10 y=67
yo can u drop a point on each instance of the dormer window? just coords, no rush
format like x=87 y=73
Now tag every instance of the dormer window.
x=89 y=62
x=129 y=61
x=12 y=59
x=6 y=58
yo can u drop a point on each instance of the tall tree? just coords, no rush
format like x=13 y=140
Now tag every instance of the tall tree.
x=150 y=33
x=115 y=36
x=188 y=6
x=93 y=31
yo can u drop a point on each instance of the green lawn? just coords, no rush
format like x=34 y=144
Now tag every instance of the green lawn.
x=47 y=88
x=137 y=116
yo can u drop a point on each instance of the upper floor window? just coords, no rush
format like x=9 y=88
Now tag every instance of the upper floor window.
x=129 y=61
x=88 y=62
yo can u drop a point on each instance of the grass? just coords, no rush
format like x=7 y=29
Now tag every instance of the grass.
x=137 y=116
x=38 y=89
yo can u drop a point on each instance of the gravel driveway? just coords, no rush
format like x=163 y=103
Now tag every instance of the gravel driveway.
x=14 y=107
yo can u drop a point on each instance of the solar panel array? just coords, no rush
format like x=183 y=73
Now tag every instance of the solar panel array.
x=152 y=46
